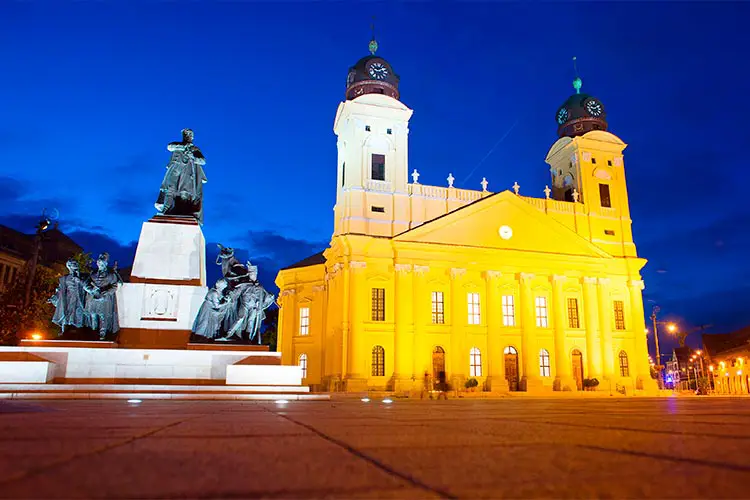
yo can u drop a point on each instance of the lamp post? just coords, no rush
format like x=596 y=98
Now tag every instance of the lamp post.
x=711 y=378
x=671 y=328
x=41 y=227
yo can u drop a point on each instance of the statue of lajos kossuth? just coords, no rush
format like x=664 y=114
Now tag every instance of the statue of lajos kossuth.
x=181 y=191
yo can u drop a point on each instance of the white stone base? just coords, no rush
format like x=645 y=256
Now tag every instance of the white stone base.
x=25 y=372
x=171 y=249
x=108 y=365
x=159 y=307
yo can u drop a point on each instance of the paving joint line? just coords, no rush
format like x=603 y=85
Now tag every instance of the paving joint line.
x=373 y=461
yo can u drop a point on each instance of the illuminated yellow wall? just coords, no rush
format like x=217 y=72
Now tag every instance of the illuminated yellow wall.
x=500 y=244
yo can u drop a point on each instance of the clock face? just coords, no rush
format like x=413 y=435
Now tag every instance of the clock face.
x=594 y=107
x=350 y=78
x=505 y=232
x=378 y=71
x=562 y=116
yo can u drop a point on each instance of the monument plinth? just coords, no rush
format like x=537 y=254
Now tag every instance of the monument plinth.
x=167 y=285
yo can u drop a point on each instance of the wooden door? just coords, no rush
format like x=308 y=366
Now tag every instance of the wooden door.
x=578 y=368
x=438 y=364
x=511 y=367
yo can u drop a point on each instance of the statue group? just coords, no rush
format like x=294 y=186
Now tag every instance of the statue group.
x=234 y=307
x=88 y=301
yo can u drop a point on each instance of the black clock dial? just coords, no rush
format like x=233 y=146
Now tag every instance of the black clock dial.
x=594 y=107
x=378 y=71
x=562 y=116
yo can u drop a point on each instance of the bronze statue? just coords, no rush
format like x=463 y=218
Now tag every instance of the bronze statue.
x=69 y=299
x=211 y=315
x=237 y=302
x=101 y=304
x=181 y=191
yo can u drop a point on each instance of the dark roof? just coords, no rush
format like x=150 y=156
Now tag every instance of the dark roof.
x=716 y=344
x=56 y=247
x=312 y=260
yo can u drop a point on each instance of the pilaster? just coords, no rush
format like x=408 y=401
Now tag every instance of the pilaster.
x=563 y=378
x=458 y=320
x=605 y=327
x=421 y=357
x=404 y=329
x=530 y=381
x=355 y=378
x=590 y=314
x=496 y=381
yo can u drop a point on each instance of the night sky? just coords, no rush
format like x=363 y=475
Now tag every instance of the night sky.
x=91 y=93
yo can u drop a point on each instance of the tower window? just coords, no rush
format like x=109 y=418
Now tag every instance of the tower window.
x=609 y=232
x=593 y=160
x=380 y=210
x=367 y=128
x=378 y=167
x=389 y=131
x=609 y=163
x=604 y=195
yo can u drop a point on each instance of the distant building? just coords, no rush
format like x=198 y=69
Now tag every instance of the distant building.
x=679 y=371
x=728 y=354
x=17 y=249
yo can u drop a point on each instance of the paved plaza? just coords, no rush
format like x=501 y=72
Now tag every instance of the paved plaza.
x=512 y=447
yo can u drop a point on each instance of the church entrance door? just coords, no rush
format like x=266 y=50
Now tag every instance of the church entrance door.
x=511 y=367
x=578 y=368
x=438 y=364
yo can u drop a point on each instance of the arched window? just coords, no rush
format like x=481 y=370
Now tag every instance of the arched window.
x=544 y=370
x=378 y=361
x=510 y=350
x=475 y=362
x=624 y=368
x=303 y=364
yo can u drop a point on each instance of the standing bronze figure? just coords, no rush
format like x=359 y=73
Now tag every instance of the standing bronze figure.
x=69 y=298
x=181 y=191
x=101 y=304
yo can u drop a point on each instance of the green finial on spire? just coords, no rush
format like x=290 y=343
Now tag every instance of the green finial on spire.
x=577 y=83
x=373 y=43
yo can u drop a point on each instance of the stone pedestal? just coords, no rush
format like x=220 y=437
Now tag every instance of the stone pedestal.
x=565 y=384
x=532 y=385
x=497 y=384
x=167 y=285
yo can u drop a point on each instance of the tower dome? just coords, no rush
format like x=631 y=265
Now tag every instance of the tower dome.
x=372 y=75
x=580 y=113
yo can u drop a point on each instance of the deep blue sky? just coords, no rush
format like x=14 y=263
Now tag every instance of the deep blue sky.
x=91 y=93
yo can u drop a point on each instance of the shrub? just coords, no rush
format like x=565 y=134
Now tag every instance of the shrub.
x=472 y=382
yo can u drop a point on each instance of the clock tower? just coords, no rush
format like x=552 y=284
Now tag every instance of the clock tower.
x=372 y=126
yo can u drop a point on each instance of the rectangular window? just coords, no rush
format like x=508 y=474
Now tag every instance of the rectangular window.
x=619 y=315
x=573 y=321
x=378 y=167
x=604 y=195
x=541 y=312
x=304 y=321
x=609 y=163
x=378 y=304
x=593 y=160
x=367 y=128
x=509 y=313
x=438 y=308
x=380 y=210
x=389 y=131
x=609 y=232
x=472 y=300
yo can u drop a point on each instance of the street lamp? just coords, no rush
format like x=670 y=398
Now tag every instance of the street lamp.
x=44 y=224
x=671 y=328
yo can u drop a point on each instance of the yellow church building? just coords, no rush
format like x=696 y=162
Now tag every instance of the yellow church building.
x=519 y=293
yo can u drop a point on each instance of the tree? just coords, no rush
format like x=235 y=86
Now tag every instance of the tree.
x=17 y=321
x=270 y=327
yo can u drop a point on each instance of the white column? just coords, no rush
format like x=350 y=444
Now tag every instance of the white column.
x=459 y=318
x=529 y=355
x=404 y=329
x=563 y=377
x=590 y=314
x=495 y=359
x=605 y=327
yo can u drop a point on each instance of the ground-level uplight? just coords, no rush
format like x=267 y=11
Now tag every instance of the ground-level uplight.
x=387 y=401
x=365 y=400
x=134 y=401
x=281 y=401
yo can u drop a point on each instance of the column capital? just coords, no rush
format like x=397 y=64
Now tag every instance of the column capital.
x=402 y=268
x=558 y=278
x=318 y=288
x=357 y=264
x=604 y=281
x=287 y=292
x=525 y=276
x=491 y=275
x=457 y=271
x=421 y=269
x=637 y=284
x=588 y=280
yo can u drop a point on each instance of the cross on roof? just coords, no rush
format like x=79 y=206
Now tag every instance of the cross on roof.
x=450 y=180
x=415 y=176
x=484 y=184
x=516 y=187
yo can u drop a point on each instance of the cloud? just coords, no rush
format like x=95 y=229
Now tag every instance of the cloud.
x=10 y=189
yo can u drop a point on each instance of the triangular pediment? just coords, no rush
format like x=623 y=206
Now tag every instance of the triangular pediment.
x=485 y=223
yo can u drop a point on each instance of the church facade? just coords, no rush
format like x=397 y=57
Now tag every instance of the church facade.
x=519 y=293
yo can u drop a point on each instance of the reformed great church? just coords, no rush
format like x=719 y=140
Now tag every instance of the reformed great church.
x=519 y=293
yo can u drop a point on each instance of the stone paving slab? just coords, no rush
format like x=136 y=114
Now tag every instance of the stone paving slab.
x=477 y=448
